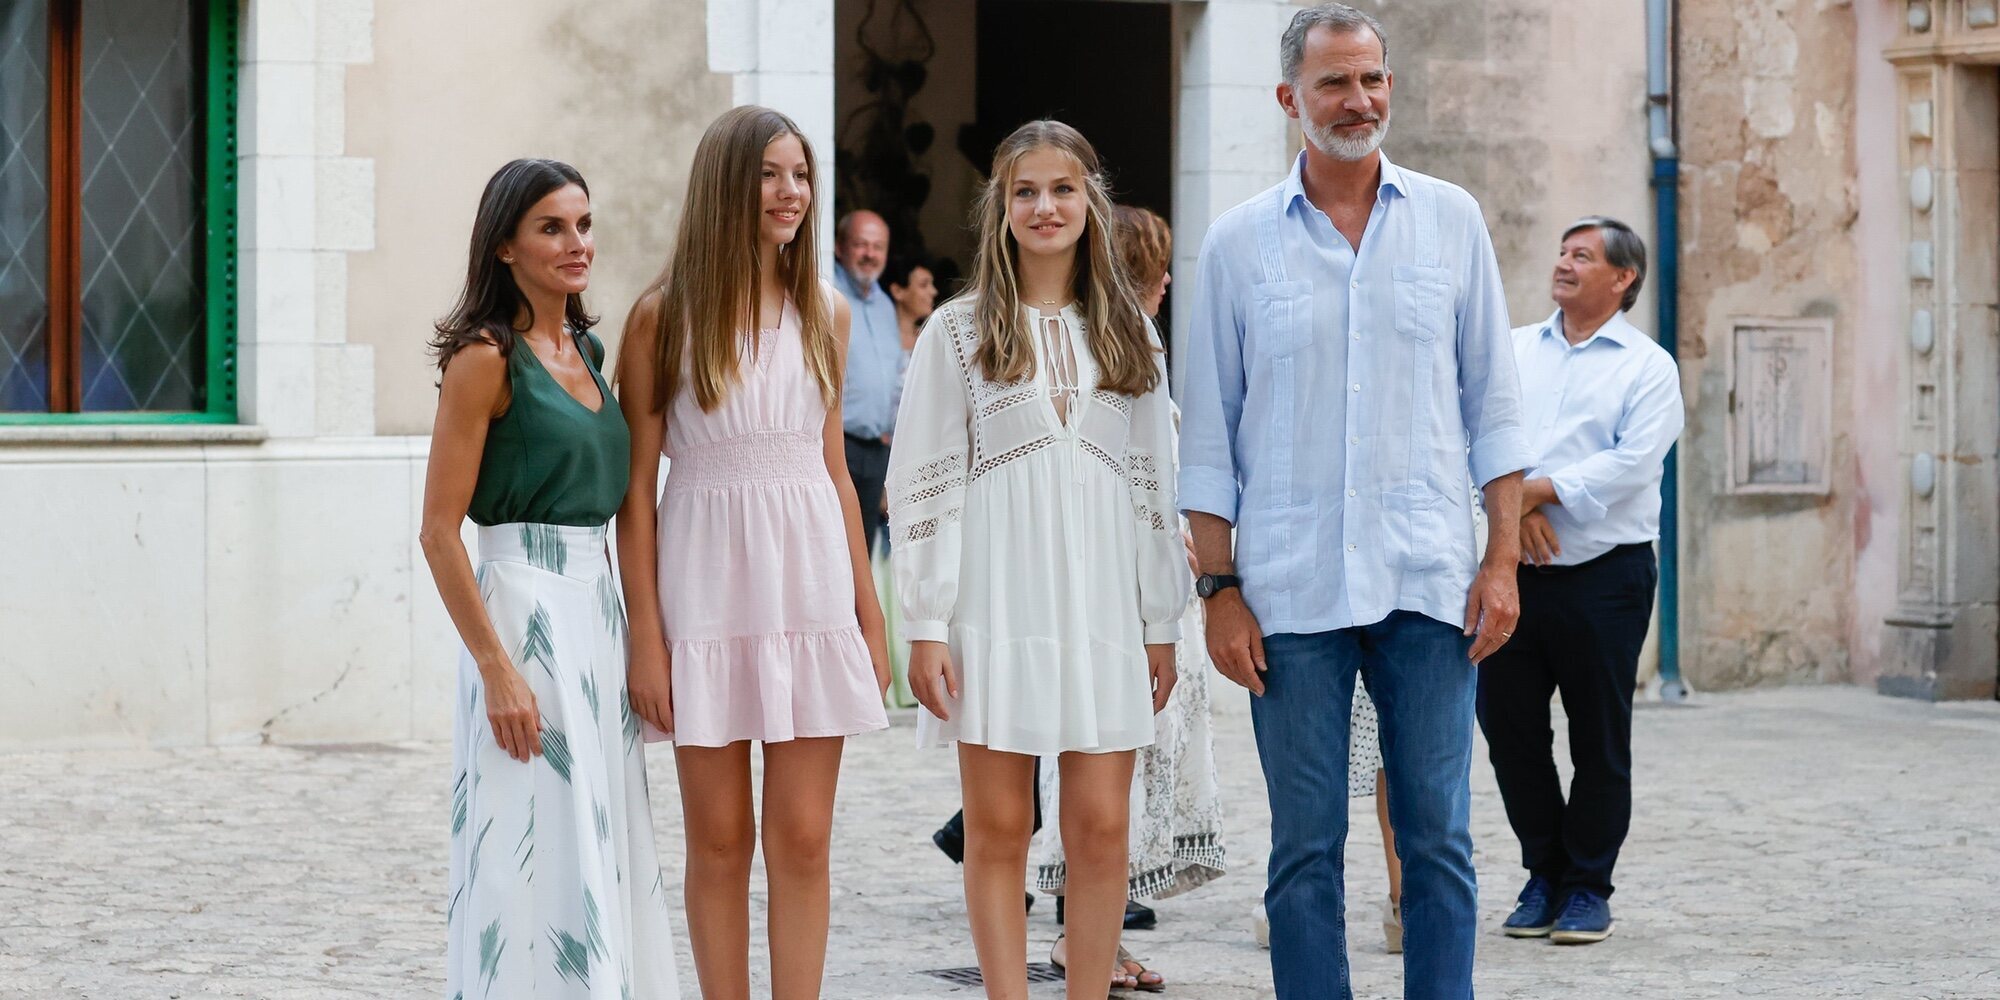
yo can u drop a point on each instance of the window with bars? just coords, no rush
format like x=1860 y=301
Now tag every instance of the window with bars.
x=117 y=210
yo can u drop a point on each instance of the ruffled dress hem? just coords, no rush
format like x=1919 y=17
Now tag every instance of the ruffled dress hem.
x=772 y=688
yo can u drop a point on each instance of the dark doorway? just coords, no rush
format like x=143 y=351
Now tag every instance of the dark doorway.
x=1103 y=66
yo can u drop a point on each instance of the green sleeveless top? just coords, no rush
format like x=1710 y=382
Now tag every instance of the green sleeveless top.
x=549 y=459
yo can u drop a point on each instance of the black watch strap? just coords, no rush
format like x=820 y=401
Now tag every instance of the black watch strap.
x=1211 y=584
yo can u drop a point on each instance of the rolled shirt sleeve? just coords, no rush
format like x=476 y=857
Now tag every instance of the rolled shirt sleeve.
x=1489 y=387
x=1652 y=420
x=1212 y=393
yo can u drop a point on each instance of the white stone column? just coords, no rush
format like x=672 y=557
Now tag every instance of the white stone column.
x=1230 y=135
x=304 y=206
x=779 y=53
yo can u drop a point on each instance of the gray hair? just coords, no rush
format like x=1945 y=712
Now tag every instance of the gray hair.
x=1337 y=16
x=1623 y=249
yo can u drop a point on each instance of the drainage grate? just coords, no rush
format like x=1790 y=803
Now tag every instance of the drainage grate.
x=1038 y=972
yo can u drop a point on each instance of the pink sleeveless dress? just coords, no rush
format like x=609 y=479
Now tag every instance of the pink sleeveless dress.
x=756 y=584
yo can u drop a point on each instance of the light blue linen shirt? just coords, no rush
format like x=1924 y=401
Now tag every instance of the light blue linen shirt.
x=1336 y=399
x=1601 y=416
x=873 y=384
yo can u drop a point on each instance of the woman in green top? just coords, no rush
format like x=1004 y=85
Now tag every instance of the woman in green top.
x=555 y=889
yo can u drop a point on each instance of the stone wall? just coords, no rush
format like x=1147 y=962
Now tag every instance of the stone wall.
x=620 y=88
x=1766 y=111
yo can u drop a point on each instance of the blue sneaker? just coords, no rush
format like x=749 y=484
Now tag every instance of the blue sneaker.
x=1537 y=912
x=1585 y=919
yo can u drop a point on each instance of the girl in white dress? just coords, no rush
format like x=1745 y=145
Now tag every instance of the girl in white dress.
x=1037 y=551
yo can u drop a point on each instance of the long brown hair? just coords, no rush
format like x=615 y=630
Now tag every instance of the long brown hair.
x=708 y=289
x=1116 y=330
x=1145 y=244
x=491 y=303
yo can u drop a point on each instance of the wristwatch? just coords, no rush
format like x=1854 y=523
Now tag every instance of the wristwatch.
x=1211 y=584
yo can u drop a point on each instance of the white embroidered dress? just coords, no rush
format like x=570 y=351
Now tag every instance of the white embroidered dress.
x=1035 y=533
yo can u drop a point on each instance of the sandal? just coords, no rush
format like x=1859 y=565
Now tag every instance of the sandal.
x=1143 y=979
x=1119 y=980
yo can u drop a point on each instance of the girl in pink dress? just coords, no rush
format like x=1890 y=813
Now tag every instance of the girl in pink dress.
x=767 y=626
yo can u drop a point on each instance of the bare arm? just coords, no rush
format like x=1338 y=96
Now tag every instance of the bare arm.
x=648 y=668
x=1494 y=604
x=867 y=610
x=474 y=391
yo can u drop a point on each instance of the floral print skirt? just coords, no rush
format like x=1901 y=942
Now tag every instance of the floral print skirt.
x=555 y=890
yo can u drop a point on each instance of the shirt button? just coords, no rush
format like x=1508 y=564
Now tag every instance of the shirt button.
x=1357 y=387
x=1351 y=547
x=1354 y=440
x=1350 y=492
x=1354 y=284
x=1357 y=336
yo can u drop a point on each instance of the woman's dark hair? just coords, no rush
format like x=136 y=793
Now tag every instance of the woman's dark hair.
x=899 y=268
x=491 y=303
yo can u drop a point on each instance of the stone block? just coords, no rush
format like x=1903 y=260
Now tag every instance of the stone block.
x=329 y=109
x=277 y=386
x=279 y=191
x=277 y=103
x=345 y=390
x=309 y=584
x=345 y=203
x=278 y=294
x=345 y=31
x=102 y=600
x=279 y=31
x=732 y=36
x=795 y=36
x=1236 y=43
x=329 y=275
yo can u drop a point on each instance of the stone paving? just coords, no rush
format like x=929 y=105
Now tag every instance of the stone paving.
x=1799 y=843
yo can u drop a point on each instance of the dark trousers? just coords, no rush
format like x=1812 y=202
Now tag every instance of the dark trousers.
x=868 y=466
x=1580 y=633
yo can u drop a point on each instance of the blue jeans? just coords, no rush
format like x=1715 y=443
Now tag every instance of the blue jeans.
x=1423 y=685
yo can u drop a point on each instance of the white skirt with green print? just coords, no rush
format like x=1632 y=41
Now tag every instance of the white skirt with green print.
x=555 y=891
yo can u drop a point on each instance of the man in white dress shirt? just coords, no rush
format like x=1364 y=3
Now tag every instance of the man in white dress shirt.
x=1603 y=406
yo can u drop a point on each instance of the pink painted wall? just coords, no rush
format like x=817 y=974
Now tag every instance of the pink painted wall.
x=1881 y=338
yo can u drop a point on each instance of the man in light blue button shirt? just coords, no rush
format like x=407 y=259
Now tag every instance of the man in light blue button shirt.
x=873 y=384
x=1349 y=378
x=1603 y=405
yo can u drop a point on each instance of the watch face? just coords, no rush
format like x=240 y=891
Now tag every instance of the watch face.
x=1204 y=586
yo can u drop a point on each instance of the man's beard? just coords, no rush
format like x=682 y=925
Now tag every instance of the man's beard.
x=1327 y=139
x=865 y=272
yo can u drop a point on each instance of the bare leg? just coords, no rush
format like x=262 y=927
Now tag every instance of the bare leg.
x=1388 y=838
x=1096 y=792
x=999 y=819
x=799 y=779
x=721 y=836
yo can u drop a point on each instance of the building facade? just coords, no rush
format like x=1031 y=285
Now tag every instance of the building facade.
x=226 y=225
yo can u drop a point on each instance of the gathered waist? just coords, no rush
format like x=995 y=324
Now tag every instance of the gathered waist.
x=762 y=457
x=574 y=551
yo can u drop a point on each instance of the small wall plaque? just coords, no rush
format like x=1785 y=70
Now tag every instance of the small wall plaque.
x=1780 y=406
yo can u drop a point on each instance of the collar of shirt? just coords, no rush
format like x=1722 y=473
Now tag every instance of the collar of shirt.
x=1616 y=330
x=1391 y=181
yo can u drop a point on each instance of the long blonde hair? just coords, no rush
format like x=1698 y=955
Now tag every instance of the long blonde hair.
x=1114 y=327
x=708 y=289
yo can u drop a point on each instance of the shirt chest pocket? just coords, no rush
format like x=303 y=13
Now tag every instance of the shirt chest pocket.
x=1280 y=318
x=1424 y=302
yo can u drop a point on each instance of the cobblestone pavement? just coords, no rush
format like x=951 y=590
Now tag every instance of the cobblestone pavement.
x=1795 y=843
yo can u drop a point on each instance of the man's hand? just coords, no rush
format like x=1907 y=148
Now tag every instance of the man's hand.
x=1492 y=608
x=1235 y=641
x=1539 y=546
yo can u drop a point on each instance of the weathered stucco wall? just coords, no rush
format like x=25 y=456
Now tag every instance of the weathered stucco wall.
x=1537 y=108
x=1767 y=123
x=620 y=88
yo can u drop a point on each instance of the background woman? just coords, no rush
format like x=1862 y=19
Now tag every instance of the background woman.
x=758 y=618
x=554 y=881
x=1037 y=557
x=1176 y=828
x=914 y=288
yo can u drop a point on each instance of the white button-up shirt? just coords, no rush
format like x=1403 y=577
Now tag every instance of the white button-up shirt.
x=1601 y=416
x=1341 y=402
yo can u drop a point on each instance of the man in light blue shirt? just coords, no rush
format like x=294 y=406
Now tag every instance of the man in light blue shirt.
x=1349 y=378
x=1603 y=406
x=873 y=384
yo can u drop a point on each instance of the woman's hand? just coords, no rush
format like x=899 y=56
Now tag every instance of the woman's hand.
x=933 y=677
x=649 y=683
x=875 y=633
x=511 y=710
x=1160 y=665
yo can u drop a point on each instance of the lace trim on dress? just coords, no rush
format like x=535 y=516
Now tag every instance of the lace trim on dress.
x=1144 y=470
x=1018 y=451
x=929 y=527
x=1005 y=401
x=1103 y=456
x=931 y=480
x=1122 y=404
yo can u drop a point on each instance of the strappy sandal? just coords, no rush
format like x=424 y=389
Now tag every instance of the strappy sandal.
x=1120 y=980
x=1139 y=980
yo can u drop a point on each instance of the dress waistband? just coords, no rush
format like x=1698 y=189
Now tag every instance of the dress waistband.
x=574 y=551
x=763 y=457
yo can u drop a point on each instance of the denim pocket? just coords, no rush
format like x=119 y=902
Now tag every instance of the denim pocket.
x=1423 y=301
x=1413 y=522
